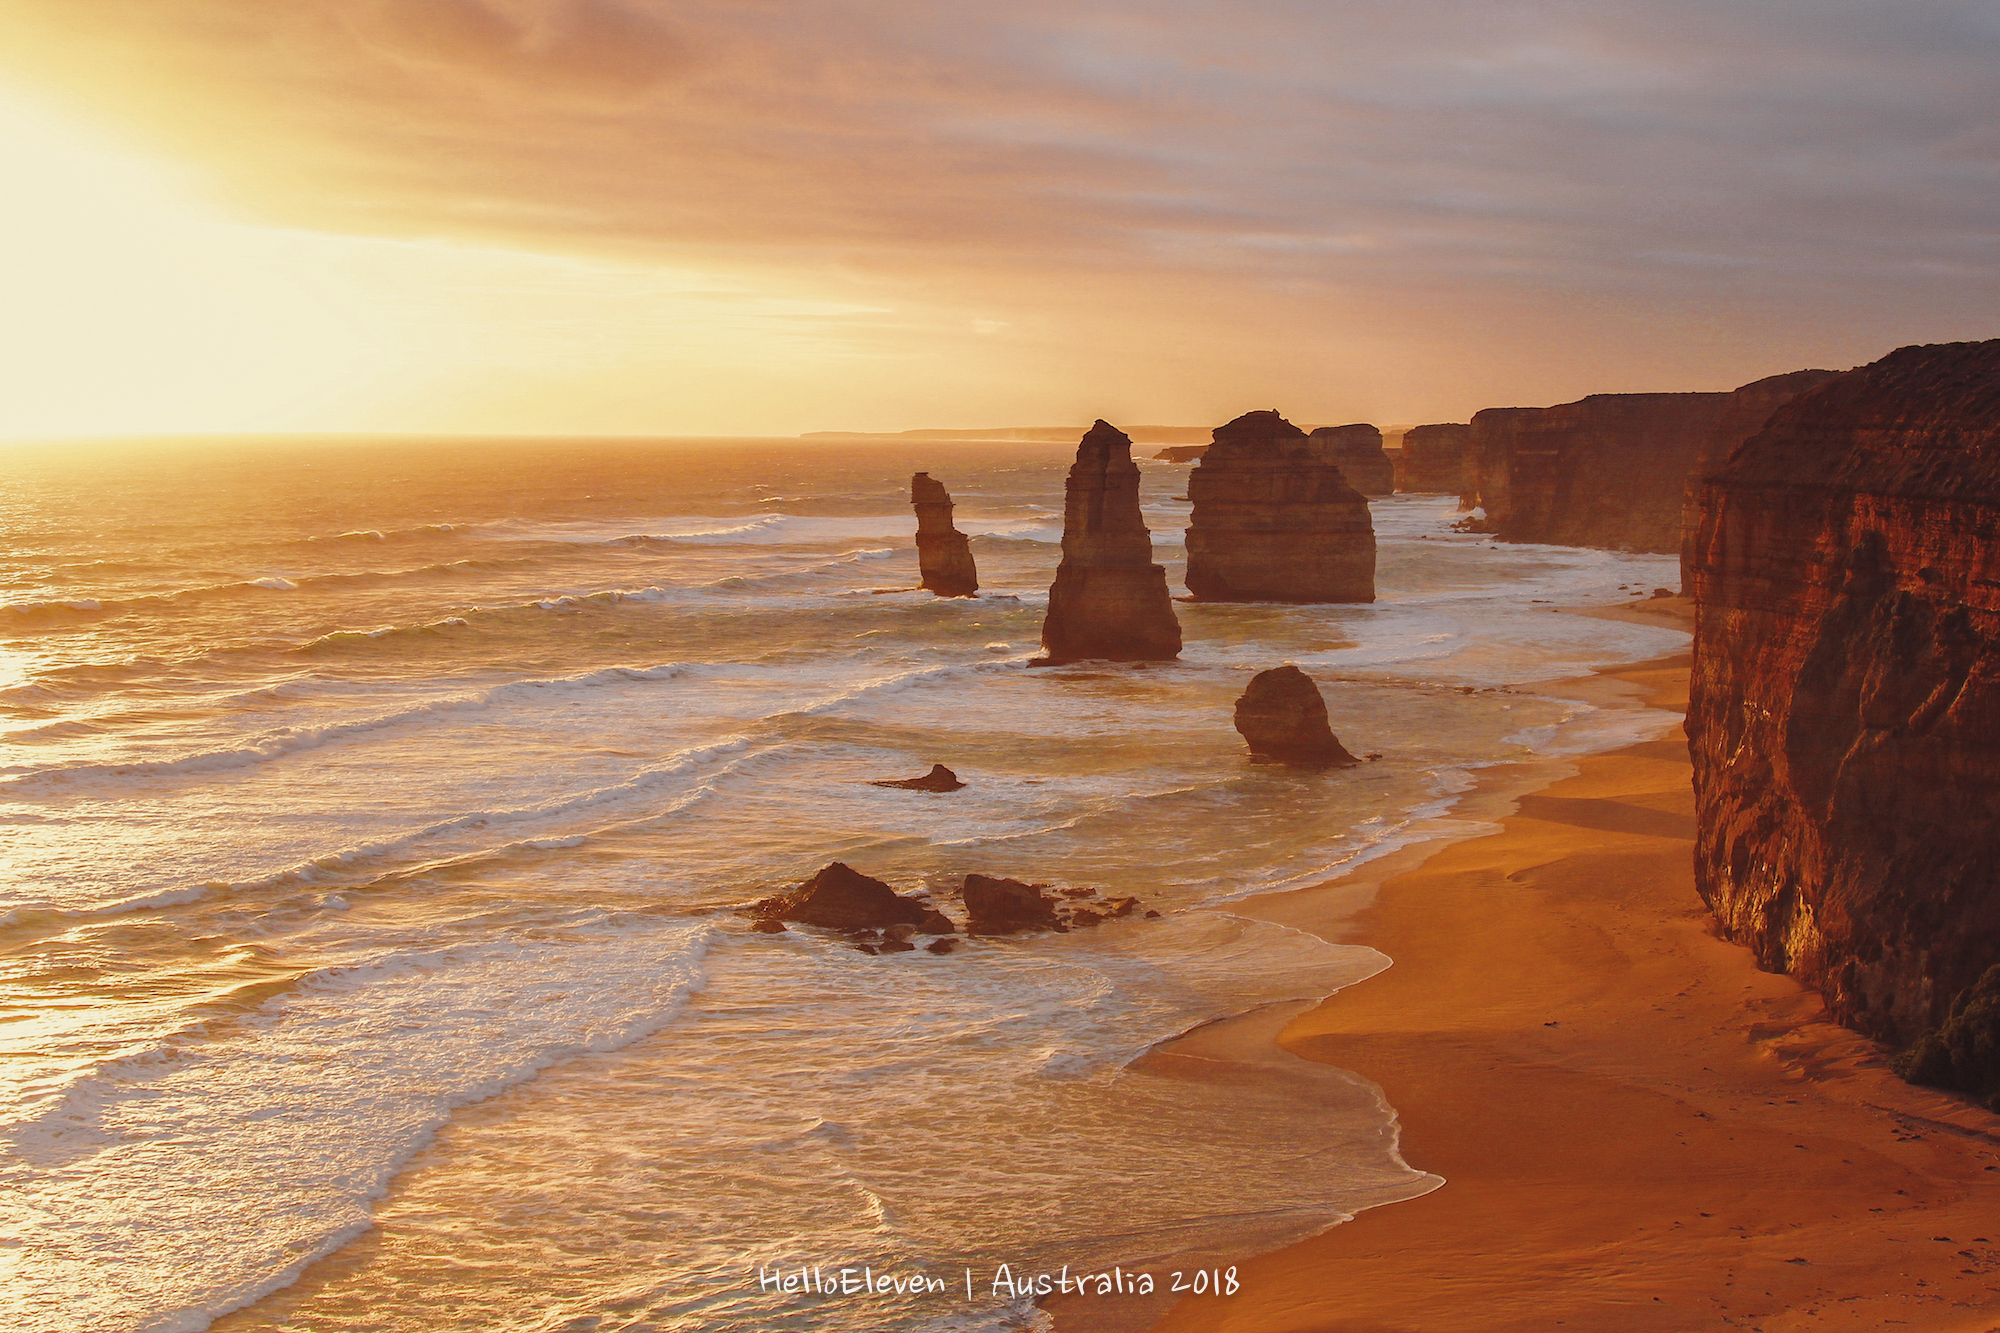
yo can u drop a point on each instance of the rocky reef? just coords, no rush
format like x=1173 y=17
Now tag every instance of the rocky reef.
x=1109 y=600
x=1844 y=717
x=1609 y=470
x=1283 y=717
x=1434 y=460
x=943 y=556
x=843 y=898
x=995 y=906
x=1357 y=451
x=1275 y=520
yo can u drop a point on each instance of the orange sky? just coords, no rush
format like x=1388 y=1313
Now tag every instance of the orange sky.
x=783 y=215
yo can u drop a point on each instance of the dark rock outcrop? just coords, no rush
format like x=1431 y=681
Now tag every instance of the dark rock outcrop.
x=943 y=555
x=995 y=906
x=1844 y=716
x=1109 y=599
x=1182 y=453
x=1609 y=470
x=1963 y=1054
x=1275 y=520
x=1435 y=460
x=939 y=778
x=1283 y=717
x=845 y=899
x=1357 y=450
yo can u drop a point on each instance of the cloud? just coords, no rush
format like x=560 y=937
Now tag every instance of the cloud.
x=1553 y=195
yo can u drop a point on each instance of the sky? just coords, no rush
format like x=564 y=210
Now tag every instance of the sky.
x=774 y=216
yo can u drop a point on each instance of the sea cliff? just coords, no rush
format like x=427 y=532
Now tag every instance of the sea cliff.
x=1609 y=470
x=1845 y=712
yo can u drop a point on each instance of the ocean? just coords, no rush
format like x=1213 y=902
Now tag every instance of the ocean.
x=375 y=816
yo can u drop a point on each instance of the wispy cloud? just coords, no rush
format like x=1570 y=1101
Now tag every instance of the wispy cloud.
x=1531 y=198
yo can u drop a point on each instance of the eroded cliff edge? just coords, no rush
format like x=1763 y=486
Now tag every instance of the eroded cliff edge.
x=1845 y=712
x=1609 y=470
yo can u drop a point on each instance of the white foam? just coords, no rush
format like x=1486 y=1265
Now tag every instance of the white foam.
x=313 y=1139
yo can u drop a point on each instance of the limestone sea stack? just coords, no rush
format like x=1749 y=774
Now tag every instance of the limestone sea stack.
x=1844 y=717
x=1109 y=599
x=1283 y=717
x=1358 y=451
x=1275 y=520
x=1434 y=459
x=943 y=556
x=1181 y=453
x=1610 y=470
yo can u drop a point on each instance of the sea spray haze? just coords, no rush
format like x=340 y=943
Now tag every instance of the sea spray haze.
x=374 y=814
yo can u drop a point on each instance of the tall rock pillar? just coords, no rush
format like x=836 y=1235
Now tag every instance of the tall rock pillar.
x=942 y=553
x=1109 y=599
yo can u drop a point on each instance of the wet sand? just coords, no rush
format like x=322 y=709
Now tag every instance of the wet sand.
x=1637 y=1129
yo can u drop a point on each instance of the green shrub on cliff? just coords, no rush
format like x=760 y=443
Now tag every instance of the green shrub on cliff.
x=1963 y=1054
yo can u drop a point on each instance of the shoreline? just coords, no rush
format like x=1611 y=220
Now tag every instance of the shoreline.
x=1635 y=1128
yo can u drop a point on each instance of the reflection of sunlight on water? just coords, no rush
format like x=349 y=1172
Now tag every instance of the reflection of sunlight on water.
x=13 y=668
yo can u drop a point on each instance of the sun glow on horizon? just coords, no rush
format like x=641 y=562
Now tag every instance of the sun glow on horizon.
x=133 y=309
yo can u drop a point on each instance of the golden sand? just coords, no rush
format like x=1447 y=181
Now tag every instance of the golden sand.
x=1638 y=1129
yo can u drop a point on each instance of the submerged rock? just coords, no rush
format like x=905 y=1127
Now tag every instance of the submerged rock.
x=845 y=899
x=939 y=778
x=1283 y=717
x=1275 y=520
x=1357 y=451
x=943 y=556
x=1109 y=600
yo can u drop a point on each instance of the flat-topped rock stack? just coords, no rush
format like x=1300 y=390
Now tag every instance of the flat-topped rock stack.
x=1358 y=451
x=1275 y=519
x=943 y=556
x=1109 y=599
x=1434 y=460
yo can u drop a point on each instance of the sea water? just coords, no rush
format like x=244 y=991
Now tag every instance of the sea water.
x=374 y=816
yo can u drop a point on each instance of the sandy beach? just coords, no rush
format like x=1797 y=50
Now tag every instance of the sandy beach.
x=1637 y=1129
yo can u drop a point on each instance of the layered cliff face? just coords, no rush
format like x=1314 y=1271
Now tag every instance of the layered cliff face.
x=943 y=557
x=1434 y=460
x=1109 y=599
x=1845 y=710
x=1357 y=451
x=1609 y=470
x=1742 y=417
x=1275 y=520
